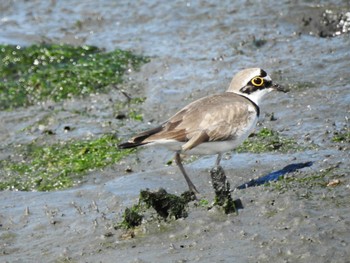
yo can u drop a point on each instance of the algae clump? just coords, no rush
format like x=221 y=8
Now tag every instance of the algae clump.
x=267 y=140
x=57 y=166
x=32 y=74
x=166 y=206
x=38 y=73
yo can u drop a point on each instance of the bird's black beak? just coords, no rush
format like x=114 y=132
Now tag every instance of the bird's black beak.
x=278 y=87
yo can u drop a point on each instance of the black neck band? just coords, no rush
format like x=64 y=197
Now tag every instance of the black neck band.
x=254 y=104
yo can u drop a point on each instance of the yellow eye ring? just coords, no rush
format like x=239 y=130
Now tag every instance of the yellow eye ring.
x=257 y=81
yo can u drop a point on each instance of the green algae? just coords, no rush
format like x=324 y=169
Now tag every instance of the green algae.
x=32 y=74
x=341 y=136
x=267 y=140
x=129 y=109
x=203 y=203
x=61 y=165
x=37 y=73
x=308 y=180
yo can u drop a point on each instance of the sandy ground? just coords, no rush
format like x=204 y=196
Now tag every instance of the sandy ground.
x=195 y=48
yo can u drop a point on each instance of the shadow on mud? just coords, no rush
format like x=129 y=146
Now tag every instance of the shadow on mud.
x=274 y=176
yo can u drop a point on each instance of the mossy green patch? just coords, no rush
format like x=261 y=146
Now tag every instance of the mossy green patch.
x=308 y=181
x=342 y=136
x=32 y=74
x=129 y=109
x=267 y=140
x=203 y=203
x=57 y=166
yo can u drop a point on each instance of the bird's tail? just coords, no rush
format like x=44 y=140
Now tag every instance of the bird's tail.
x=127 y=145
x=139 y=139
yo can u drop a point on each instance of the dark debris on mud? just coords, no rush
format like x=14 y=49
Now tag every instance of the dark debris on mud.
x=166 y=205
x=328 y=23
x=223 y=191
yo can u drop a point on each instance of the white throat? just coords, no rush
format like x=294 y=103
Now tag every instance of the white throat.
x=256 y=95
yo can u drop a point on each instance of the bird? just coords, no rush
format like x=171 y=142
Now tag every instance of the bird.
x=214 y=124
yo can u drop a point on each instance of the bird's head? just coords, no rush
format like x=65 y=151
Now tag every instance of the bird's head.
x=253 y=83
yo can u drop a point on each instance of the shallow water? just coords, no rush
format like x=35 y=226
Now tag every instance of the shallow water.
x=195 y=47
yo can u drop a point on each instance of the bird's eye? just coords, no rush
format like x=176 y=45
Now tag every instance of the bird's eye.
x=258 y=81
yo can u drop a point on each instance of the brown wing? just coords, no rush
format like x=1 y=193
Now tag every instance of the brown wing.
x=213 y=118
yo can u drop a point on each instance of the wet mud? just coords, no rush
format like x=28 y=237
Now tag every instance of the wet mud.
x=194 y=48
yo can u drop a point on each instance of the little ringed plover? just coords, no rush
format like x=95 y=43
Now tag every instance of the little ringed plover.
x=214 y=124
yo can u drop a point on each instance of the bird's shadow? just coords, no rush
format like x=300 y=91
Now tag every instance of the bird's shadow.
x=274 y=176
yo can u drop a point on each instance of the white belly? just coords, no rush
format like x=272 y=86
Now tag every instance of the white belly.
x=209 y=148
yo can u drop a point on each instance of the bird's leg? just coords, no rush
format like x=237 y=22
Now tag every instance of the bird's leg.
x=182 y=169
x=218 y=159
